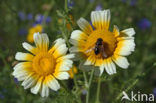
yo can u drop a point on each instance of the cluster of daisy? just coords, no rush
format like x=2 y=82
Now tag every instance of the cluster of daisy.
x=45 y=65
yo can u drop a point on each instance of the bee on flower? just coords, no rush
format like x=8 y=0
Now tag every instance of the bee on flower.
x=43 y=66
x=102 y=47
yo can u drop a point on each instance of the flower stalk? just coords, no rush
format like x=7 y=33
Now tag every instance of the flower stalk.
x=88 y=86
x=98 y=90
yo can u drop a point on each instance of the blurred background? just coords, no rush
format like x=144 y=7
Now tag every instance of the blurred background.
x=19 y=19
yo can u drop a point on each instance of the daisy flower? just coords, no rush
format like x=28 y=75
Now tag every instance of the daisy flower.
x=102 y=47
x=32 y=30
x=42 y=67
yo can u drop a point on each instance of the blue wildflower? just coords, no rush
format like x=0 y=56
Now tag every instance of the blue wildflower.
x=22 y=31
x=70 y=3
x=16 y=81
x=29 y=16
x=144 y=24
x=98 y=7
x=21 y=15
x=48 y=19
x=39 y=18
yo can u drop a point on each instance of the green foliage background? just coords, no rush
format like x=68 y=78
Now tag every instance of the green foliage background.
x=140 y=76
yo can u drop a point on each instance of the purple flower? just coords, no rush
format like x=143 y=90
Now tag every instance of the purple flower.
x=29 y=16
x=144 y=24
x=48 y=19
x=98 y=7
x=39 y=18
x=21 y=15
x=133 y=2
x=22 y=31
x=16 y=81
x=70 y=3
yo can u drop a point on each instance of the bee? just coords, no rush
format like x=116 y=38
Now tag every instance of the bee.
x=99 y=48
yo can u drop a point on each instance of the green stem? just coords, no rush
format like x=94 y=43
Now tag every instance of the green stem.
x=65 y=87
x=98 y=90
x=85 y=78
x=88 y=87
x=66 y=6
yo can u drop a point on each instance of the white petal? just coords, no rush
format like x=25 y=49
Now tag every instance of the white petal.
x=110 y=67
x=84 y=25
x=37 y=87
x=74 y=42
x=20 y=70
x=20 y=75
x=121 y=61
x=53 y=83
x=62 y=75
x=22 y=65
x=41 y=41
x=125 y=47
x=29 y=48
x=96 y=19
x=69 y=56
x=29 y=81
x=64 y=65
x=60 y=51
x=44 y=91
x=130 y=32
x=106 y=18
x=78 y=35
x=73 y=49
x=107 y=69
x=23 y=56
x=45 y=41
x=57 y=44
x=101 y=69
x=100 y=19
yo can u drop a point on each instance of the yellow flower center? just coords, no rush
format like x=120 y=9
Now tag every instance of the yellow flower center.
x=43 y=63
x=108 y=44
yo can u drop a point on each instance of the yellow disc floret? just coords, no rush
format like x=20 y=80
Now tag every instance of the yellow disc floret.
x=109 y=41
x=43 y=63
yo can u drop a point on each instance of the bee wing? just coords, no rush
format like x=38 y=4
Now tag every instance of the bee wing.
x=103 y=51
x=89 y=50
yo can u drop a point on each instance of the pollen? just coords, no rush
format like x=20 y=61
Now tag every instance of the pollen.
x=43 y=63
